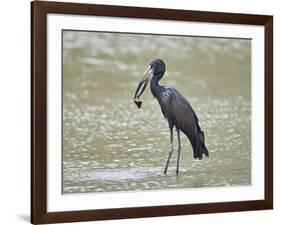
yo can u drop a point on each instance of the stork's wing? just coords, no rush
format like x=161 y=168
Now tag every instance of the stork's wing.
x=182 y=114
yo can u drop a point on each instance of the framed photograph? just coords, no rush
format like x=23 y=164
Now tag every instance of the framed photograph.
x=144 y=112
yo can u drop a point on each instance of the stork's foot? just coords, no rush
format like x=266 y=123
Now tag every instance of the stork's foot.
x=171 y=149
x=165 y=170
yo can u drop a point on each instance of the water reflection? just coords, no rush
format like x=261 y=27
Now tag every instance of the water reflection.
x=110 y=145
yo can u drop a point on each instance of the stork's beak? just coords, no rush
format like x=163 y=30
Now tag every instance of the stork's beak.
x=142 y=85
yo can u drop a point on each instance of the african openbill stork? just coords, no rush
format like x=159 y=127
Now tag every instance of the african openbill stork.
x=176 y=109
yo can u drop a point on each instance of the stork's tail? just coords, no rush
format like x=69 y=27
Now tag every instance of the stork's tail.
x=199 y=147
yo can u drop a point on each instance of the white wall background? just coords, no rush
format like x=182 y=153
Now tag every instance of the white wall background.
x=15 y=110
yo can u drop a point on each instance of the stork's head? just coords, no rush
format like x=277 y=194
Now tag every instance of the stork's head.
x=155 y=69
x=158 y=67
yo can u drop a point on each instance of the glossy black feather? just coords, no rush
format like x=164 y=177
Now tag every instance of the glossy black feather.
x=179 y=113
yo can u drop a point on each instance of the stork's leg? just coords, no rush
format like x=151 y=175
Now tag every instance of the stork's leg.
x=171 y=149
x=179 y=152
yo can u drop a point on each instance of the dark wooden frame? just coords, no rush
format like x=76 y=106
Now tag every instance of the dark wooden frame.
x=39 y=11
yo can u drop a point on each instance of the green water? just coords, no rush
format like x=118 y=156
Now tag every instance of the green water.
x=111 y=145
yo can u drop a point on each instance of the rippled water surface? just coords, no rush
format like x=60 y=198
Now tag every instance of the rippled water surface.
x=111 y=145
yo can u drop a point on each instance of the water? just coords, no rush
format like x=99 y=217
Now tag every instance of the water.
x=111 y=145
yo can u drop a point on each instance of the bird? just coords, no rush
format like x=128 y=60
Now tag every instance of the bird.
x=176 y=109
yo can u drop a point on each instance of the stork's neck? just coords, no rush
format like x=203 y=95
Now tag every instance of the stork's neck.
x=155 y=87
